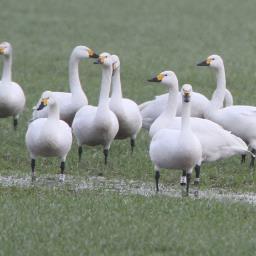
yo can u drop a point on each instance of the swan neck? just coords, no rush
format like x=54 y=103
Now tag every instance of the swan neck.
x=172 y=102
x=185 y=116
x=74 y=81
x=7 y=69
x=116 y=85
x=105 y=87
x=53 y=112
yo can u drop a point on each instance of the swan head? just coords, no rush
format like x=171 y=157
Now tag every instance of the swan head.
x=5 y=49
x=168 y=78
x=105 y=59
x=47 y=99
x=116 y=63
x=186 y=91
x=213 y=61
x=82 y=52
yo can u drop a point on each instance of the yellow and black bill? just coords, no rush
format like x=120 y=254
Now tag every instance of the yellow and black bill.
x=43 y=104
x=156 y=79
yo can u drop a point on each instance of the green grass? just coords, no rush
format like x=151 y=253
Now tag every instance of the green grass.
x=149 y=36
x=85 y=223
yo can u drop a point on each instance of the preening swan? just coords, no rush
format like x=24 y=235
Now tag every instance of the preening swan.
x=177 y=149
x=240 y=120
x=12 y=98
x=48 y=137
x=216 y=142
x=126 y=110
x=69 y=102
x=97 y=125
x=150 y=110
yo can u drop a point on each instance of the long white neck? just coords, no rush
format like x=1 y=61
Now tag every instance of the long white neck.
x=116 y=85
x=172 y=103
x=53 y=112
x=219 y=94
x=185 y=116
x=74 y=81
x=7 y=69
x=105 y=87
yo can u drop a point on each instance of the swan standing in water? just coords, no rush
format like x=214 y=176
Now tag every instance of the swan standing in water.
x=216 y=142
x=48 y=137
x=126 y=110
x=97 y=125
x=177 y=149
x=240 y=120
x=12 y=98
x=69 y=102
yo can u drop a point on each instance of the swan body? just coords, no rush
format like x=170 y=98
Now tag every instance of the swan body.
x=97 y=125
x=150 y=110
x=126 y=110
x=69 y=102
x=177 y=149
x=240 y=120
x=49 y=137
x=12 y=98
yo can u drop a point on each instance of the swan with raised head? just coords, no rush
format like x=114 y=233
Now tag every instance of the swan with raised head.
x=216 y=142
x=150 y=110
x=240 y=120
x=49 y=137
x=69 y=102
x=177 y=149
x=12 y=98
x=97 y=125
x=126 y=110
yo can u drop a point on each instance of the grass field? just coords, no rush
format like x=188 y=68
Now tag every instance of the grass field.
x=149 y=36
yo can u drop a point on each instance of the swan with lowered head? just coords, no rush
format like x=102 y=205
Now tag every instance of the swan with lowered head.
x=150 y=110
x=216 y=142
x=69 y=102
x=240 y=120
x=12 y=98
x=97 y=125
x=49 y=137
x=177 y=149
x=126 y=110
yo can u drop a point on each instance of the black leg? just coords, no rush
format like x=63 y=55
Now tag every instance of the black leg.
x=62 y=167
x=33 y=164
x=243 y=159
x=132 y=144
x=197 y=170
x=80 y=151
x=105 y=152
x=15 y=123
x=252 y=159
x=157 y=177
x=188 y=182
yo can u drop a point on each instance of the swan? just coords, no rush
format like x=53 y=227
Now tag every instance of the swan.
x=12 y=98
x=126 y=110
x=240 y=120
x=97 y=125
x=177 y=149
x=216 y=142
x=69 y=102
x=150 y=110
x=48 y=137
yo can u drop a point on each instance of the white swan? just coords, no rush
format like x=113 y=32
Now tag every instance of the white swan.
x=97 y=125
x=150 y=110
x=48 y=137
x=69 y=102
x=126 y=110
x=216 y=142
x=177 y=149
x=12 y=98
x=240 y=120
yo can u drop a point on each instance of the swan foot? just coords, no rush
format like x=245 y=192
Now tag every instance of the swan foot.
x=105 y=152
x=183 y=182
x=243 y=159
x=33 y=177
x=62 y=177
x=132 y=144
x=157 y=177
x=80 y=151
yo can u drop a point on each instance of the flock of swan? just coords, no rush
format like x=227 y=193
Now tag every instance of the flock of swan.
x=186 y=129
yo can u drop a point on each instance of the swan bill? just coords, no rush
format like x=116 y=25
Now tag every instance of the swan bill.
x=43 y=104
x=92 y=54
x=204 y=63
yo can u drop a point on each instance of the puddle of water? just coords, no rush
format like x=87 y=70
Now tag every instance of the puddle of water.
x=122 y=187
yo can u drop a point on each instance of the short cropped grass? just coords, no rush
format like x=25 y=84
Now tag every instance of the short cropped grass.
x=149 y=36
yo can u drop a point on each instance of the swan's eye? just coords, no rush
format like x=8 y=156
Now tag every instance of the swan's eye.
x=165 y=75
x=213 y=59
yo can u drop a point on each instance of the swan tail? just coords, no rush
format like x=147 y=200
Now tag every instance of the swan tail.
x=144 y=105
